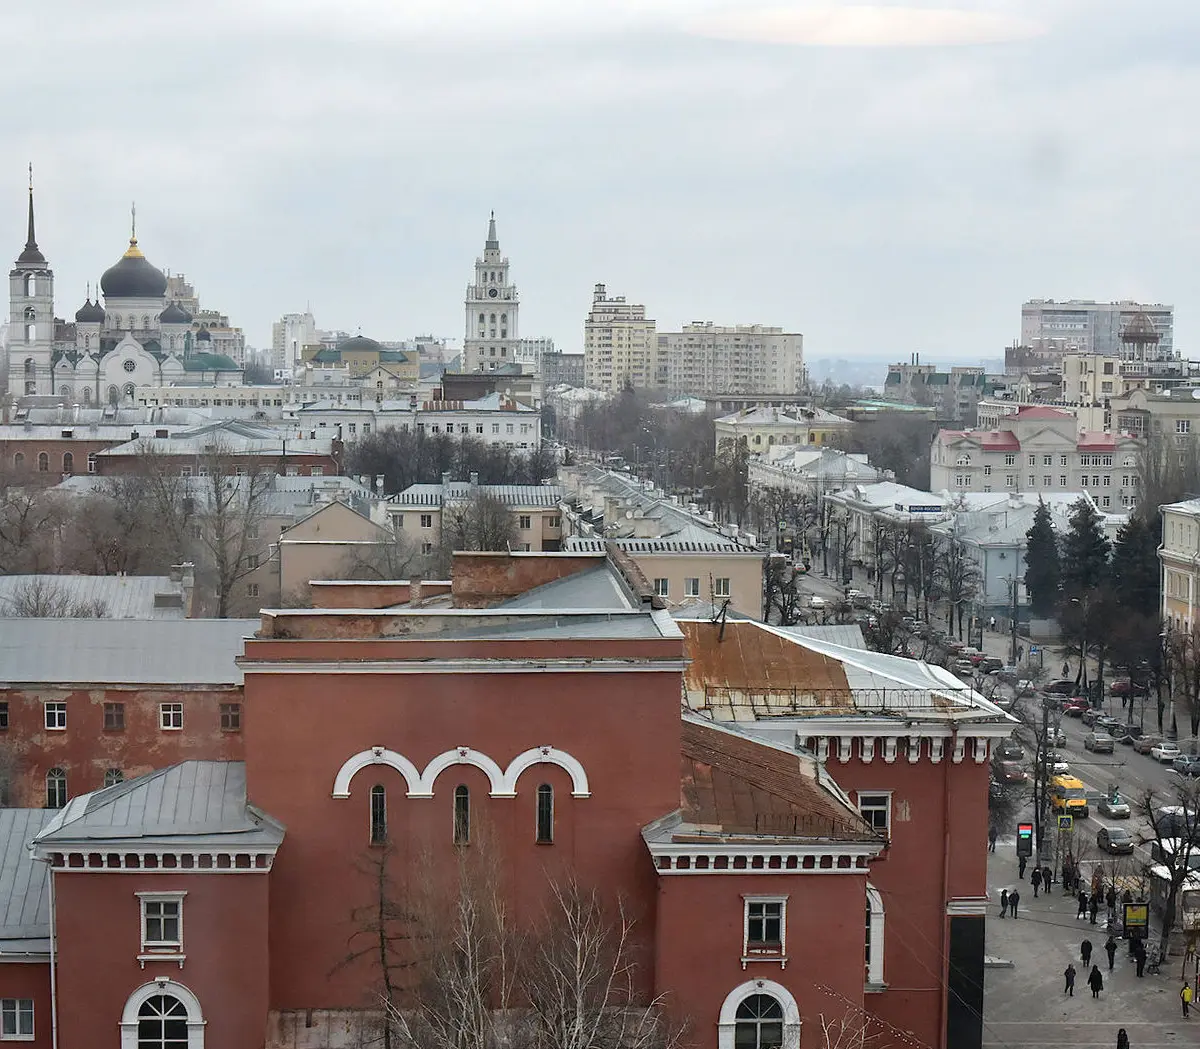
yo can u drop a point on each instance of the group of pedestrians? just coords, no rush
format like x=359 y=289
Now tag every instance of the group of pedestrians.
x=1095 y=977
x=1009 y=902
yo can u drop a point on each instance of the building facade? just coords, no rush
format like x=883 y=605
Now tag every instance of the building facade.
x=762 y=429
x=620 y=346
x=289 y=335
x=708 y=359
x=953 y=394
x=419 y=512
x=1179 y=557
x=1089 y=327
x=492 y=310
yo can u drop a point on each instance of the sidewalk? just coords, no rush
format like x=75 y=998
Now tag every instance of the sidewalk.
x=1025 y=1007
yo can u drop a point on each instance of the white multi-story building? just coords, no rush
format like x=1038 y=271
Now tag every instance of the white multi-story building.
x=289 y=335
x=529 y=353
x=706 y=358
x=620 y=345
x=1038 y=449
x=1084 y=326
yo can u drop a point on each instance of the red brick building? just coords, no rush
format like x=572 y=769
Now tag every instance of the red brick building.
x=211 y=902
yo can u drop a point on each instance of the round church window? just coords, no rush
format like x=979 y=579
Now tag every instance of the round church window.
x=129 y=366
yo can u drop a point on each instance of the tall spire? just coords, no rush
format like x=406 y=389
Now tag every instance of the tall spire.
x=133 y=251
x=32 y=253
x=493 y=242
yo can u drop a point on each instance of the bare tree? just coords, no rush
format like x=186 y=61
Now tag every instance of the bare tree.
x=44 y=597
x=1176 y=830
x=781 y=590
x=393 y=559
x=481 y=522
x=960 y=578
x=30 y=522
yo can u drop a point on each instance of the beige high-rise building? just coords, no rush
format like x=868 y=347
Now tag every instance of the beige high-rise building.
x=620 y=344
x=707 y=358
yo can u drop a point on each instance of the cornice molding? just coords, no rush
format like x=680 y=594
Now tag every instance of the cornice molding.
x=113 y=857
x=765 y=858
x=468 y=666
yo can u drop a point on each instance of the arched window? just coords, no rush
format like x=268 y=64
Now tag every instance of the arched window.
x=113 y=776
x=492 y=320
x=91 y=455
x=145 y=322
x=43 y=463
x=127 y=391
x=87 y=342
x=30 y=313
x=162 y=1023
x=19 y=461
x=874 y=948
x=56 y=788
x=30 y=368
x=378 y=815
x=545 y=814
x=68 y=463
x=462 y=815
x=114 y=395
x=30 y=285
x=759 y=1023
x=87 y=395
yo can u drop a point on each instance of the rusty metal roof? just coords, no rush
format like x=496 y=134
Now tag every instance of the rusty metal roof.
x=734 y=786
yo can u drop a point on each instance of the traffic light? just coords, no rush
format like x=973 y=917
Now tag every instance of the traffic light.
x=1024 y=839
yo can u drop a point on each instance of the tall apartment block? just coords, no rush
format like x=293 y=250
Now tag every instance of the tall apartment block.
x=1087 y=327
x=620 y=345
x=289 y=335
x=706 y=358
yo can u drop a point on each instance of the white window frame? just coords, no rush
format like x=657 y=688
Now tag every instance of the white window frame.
x=721 y=586
x=691 y=586
x=764 y=954
x=155 y=949
x=727 y=1022
x=167 y=715
x=129 y=1016
x=662 y=587
x=57 y=708
x=860 y=795
x=16 y=1004
x=874 y=962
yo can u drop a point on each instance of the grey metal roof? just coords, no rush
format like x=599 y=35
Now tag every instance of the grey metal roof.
x=711 y=544
x=848 y=636
x=604 y=625
x=203 y=801
x=119 y=652
x=600 y=588
x=24 y=908
x=512 y=495
x=123 y=597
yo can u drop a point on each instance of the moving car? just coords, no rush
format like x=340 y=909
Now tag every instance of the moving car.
x=1075 y=708
x=1098 y=743
x=1116 y=840
x=1187 y=765
x=1010 y=750
x=963 y=667
x=991 y=664
x=1144 y=744
x=1056 y=764
x=1115 y=807
x=816 y=602
x=1164 y=752
x=1091 y=716
x=1061 y=688
x=1056 y=737
x=1068 y=795
x=1013 y=772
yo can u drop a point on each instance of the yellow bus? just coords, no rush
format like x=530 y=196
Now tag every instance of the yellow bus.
x=1068 y=796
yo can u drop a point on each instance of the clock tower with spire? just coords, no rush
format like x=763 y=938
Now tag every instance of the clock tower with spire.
x=31 y=317
x=491 y=311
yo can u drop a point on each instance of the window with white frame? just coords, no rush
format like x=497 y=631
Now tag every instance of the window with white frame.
x=1010 y=459
x=662 y=588
x=162 y=922
x=874 y=938
x=16 y=1019
x=56 y=716
x=721 y=586
x=876 y=809
x=764 y=927
x=170 y=716
x=691 y=586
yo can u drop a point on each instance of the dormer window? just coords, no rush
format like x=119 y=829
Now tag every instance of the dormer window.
x=963 y=460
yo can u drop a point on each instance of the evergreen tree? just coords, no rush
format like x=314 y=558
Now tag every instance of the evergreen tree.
x=1135 y=566
x=1042 y=569
x=1085 y=551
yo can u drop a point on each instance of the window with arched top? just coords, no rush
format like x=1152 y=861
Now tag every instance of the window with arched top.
x=162 y=1023
x=68 y=463
x=30 y=367
x=874 y=937
x=43 y=463
x=378 y=815
x=30 y=284
x=462 y=815
x=56 y=788
x=113 y=776
x=759 y=1023
x=128 y=391
x=19 y=461
x=545 y=814
x=30 y=313
x=963 y=460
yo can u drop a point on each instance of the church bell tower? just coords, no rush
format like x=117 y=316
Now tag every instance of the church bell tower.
x=31 y=317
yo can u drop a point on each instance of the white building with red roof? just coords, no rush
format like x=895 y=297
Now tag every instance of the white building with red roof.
x=1038 y=449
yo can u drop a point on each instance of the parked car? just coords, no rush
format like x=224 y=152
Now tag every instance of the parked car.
x=1024 y=687
x=1098 y=743
x=1110 y=725
x=1010 y=750
x=1115 y=807
x=1123 y=686
x=1075 y=708
x=1057 y=765
x=1164 y=751
x=1061 y=688
x=1013 y=772
x=963 y=667
x=816 y=602
x=1008 y=672
x=1187 y=765
x=1144 y=744
x=1116 y=840
x=991 y=665
x=1128 y=734
x=1090 y=715
x=1056 y=736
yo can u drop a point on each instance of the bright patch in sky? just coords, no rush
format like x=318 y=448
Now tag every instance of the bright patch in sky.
x=865 y=26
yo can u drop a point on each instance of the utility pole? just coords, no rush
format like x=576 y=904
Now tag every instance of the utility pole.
x=1013 y=660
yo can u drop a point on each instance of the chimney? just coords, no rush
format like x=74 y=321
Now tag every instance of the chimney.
x=474 y=479
x=445 y=478
x=185 y=575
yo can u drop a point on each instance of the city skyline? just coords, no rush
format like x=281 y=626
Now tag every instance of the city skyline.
x=916 y=195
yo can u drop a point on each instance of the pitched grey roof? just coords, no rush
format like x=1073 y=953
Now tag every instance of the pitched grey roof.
x=123 y=597
x=119 y=652
x=848 y=636
x=202 y=801
x=600 y=588
x=710 y=544
x=24 y=907
x=512 y=495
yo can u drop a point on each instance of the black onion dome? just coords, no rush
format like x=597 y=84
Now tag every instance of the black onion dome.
x=90 y=313
x=203 y=336
x=175 y=314
x=133 y=277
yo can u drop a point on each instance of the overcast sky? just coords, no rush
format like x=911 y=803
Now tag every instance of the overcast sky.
x=884 y=179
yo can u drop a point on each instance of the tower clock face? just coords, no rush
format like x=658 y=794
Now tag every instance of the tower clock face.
x=492 y=293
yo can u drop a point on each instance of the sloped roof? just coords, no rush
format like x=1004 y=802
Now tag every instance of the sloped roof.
x=515 y=496
x=1036 y=411
x=600 y=588
x=123 y=597
x=24 y=905
x=202 y=801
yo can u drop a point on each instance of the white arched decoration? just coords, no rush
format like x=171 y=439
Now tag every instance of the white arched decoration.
x=726 y=1025
x=195 y=1016
x=547 y=756
x=376 y=756
x=503 y=782
x=460 y=756
x=874 y=953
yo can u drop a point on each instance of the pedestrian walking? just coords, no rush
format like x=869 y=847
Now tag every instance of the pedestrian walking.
x=1003 y=903
x=1096 y=981
x=1066 y=669
x=1014 y=898
x=1110 y=898
x=1083 y=904
x=992 y=835
x=1047 y=878
x=1140 y=959
x=992 y=623
x=1022 y=862
x=1085 y=952
x=1185 y=996
x=1122 y=1039
x=1094 y=907
x=1035 y=879
x=1127 y=896
x=1068 y=876
x=1110 y=948
x=1069 y=976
